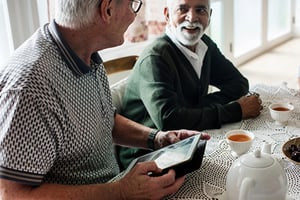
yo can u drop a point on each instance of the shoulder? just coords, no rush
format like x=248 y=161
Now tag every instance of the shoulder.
x=32 y=64
x=161 y=44
x=162 y=47
x=208 y=41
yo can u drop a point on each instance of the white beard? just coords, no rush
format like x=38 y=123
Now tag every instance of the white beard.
x=186 y=38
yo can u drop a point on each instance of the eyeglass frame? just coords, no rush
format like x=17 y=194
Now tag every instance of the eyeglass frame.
x=139 y=5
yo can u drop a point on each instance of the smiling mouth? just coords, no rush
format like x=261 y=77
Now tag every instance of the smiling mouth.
x=191 y=29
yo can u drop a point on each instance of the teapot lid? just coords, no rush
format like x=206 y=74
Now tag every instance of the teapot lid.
x=257 y=160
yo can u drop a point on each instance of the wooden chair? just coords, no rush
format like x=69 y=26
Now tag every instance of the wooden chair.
x=120 y=64
x=118 y=70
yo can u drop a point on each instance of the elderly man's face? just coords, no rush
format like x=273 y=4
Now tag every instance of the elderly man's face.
x=123 y=17
x=188 y=19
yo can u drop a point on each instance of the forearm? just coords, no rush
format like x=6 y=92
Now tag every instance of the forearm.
x=225 y=76
x=231 y=88
x=223 y=96
x=129 y=133
x=12 y=190
x=210 y=117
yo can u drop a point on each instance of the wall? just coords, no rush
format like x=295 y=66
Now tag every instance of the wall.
x=149 y=23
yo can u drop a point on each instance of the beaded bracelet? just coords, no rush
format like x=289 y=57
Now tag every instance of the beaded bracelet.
x=151 y=138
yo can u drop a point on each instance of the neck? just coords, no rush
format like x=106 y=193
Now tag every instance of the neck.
x=77 y=40
x=84 y=42
x=192 y=48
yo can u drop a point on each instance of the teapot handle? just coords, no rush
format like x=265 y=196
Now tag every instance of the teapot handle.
x=247 y=183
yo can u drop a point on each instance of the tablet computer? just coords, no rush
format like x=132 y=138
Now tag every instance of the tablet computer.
x=184 y=156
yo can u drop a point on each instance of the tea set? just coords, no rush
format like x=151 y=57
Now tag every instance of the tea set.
x=257 y=175
x=280 y=112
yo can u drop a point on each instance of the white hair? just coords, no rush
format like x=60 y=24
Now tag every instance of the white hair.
x=76 y=14
x=170 y=3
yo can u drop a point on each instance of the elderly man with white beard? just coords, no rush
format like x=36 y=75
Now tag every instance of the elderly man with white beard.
x=169 y=85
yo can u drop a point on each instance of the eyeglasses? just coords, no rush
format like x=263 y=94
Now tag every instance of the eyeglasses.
x=136 y=5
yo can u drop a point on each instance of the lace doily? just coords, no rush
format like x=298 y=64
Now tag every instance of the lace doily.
x=209 y=181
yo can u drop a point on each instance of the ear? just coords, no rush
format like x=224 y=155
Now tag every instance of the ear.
x=105 y=9
x=166 y=13
x=210 y=13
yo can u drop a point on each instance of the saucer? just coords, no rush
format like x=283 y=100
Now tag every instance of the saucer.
x=278 y=123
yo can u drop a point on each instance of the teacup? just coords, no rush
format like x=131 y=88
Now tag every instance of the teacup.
x=239 y=141
x=280 y=112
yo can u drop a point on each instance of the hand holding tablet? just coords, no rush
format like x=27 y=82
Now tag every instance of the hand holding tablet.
x=184 y=156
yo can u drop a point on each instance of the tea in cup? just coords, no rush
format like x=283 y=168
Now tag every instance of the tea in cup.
x=239 y=141
x=280 y=112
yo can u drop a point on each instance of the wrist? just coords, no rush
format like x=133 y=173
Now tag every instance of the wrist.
x=151 y=138
x=116 y=189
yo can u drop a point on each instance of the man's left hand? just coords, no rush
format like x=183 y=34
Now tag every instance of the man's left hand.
x=169 y=137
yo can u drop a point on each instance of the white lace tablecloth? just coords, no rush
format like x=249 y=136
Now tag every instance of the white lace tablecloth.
x=209 y=181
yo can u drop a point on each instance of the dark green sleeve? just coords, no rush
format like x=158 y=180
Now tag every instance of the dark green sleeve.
x=221 y=73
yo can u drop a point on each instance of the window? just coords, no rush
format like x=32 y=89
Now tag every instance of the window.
x=241 y=28
x=297 y=16
x=247 y=26
x=279 y=18
x=216 y=29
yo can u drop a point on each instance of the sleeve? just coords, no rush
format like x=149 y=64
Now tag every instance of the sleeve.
x=224 y=76
x=27 y=147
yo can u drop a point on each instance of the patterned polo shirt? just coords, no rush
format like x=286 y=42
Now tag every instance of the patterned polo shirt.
x=56 y=115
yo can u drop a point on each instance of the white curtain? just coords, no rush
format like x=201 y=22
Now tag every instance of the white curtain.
x=6 y=46
x=19 y=19
x=297 y=18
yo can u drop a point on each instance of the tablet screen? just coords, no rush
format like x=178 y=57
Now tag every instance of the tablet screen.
x=171 y=155
x=176 y=153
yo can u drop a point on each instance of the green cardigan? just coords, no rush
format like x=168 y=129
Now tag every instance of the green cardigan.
x=164 y=92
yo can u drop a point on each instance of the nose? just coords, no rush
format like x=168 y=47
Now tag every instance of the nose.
x=192 y=16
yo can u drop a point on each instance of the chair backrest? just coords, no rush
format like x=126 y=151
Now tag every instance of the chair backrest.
x=114 y=68
x=120 y=64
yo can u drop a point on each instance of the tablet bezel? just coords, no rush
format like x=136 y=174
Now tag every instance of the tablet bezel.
x=153 y=155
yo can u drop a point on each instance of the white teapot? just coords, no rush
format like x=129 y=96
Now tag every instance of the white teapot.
x=256 y=176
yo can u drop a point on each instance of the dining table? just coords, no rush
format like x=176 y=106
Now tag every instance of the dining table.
x=209 y=181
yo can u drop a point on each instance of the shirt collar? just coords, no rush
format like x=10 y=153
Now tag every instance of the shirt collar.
x=72 y=60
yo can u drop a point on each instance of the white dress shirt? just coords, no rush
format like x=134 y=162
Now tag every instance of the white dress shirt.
x=196 y=58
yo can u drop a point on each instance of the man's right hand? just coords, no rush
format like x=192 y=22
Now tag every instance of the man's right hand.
x=137 y=184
